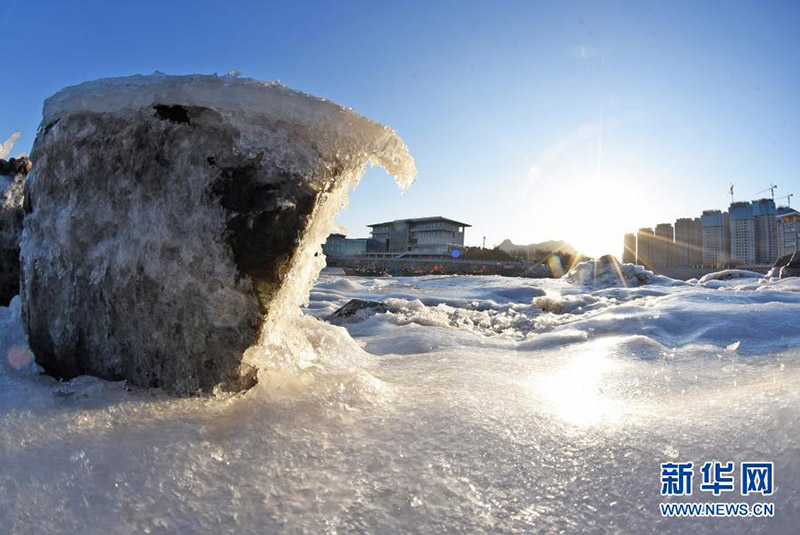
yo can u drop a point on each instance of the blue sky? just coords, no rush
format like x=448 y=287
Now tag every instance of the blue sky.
x=529 y=120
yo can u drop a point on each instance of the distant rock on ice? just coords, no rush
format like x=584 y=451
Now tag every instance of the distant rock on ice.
x=357 y=309
x=730 y=274
x=175 y=221
x=12 y=180
x=606 y=272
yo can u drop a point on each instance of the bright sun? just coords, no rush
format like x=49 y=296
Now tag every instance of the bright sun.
x=603 y=214
x=587 y=196
x=590 y=214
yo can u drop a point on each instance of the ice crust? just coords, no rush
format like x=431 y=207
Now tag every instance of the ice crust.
x=338 y=132
x=191 y=208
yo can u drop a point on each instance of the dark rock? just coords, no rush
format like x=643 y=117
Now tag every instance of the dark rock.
x=352 y=307
x=12 y=181
x=785 y=266
x=792 y=267
x=775 y=271
x=176 y=222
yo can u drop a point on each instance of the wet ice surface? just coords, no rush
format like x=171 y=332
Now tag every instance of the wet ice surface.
x=479 y=404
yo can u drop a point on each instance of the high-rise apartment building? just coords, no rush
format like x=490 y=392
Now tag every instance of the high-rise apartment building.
x=663 y=246
x=629 y=249
x=644 y=247
x=688 y=242
x=749 y=233
x=765 y=227
x=743 y=232
x=683 y=229
x=696 y=243
x=714 y=238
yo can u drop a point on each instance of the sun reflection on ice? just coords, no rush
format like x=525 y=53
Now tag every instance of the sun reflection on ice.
x=578 y=390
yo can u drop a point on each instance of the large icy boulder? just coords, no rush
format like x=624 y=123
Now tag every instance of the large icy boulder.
x=174 y=221
x=12 y=180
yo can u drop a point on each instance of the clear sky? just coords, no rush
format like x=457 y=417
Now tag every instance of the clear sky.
x=529 y=120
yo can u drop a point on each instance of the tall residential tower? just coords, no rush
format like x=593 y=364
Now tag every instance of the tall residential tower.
x=629 y=249
x=688 y=242
x=765 y=228
x=644 y=247
x=663 y=246
x=743 y=233
x=715 y=238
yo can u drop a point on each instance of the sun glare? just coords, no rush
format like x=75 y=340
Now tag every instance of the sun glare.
x=601 y=213
x=585 y=196
x=574 y=390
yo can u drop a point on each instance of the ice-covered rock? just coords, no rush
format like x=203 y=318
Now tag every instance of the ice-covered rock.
x=785 y=267
x=792 y=267
x=176 y=221
x=12 y=180
x=606 y=271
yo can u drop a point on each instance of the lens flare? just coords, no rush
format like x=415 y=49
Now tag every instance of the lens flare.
x=555 y=265
x=19 y=357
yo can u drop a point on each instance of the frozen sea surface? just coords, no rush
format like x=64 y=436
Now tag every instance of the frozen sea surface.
x=477 y=404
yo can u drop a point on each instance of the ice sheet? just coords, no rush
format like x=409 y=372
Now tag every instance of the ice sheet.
x=473 y=407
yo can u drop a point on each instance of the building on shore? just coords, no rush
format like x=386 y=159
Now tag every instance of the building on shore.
x=340 y=246
x=743 y=233
x=434 y=237
x=334 y=245
x=629 y=249
x=663 y=246
x=428 y=236
x=688 y=242
x=644 y=247
x=788 y=231
x=765 y=231
x=715 y=238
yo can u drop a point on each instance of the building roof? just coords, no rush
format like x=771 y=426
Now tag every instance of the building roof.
x=784 y=211
x=421 y=220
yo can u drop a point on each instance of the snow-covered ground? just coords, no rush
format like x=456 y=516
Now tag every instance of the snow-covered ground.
x=473 y=404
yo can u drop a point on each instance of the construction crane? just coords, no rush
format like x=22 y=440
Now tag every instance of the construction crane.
x=731 y=193
x=788 y=199
x=770 y=189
